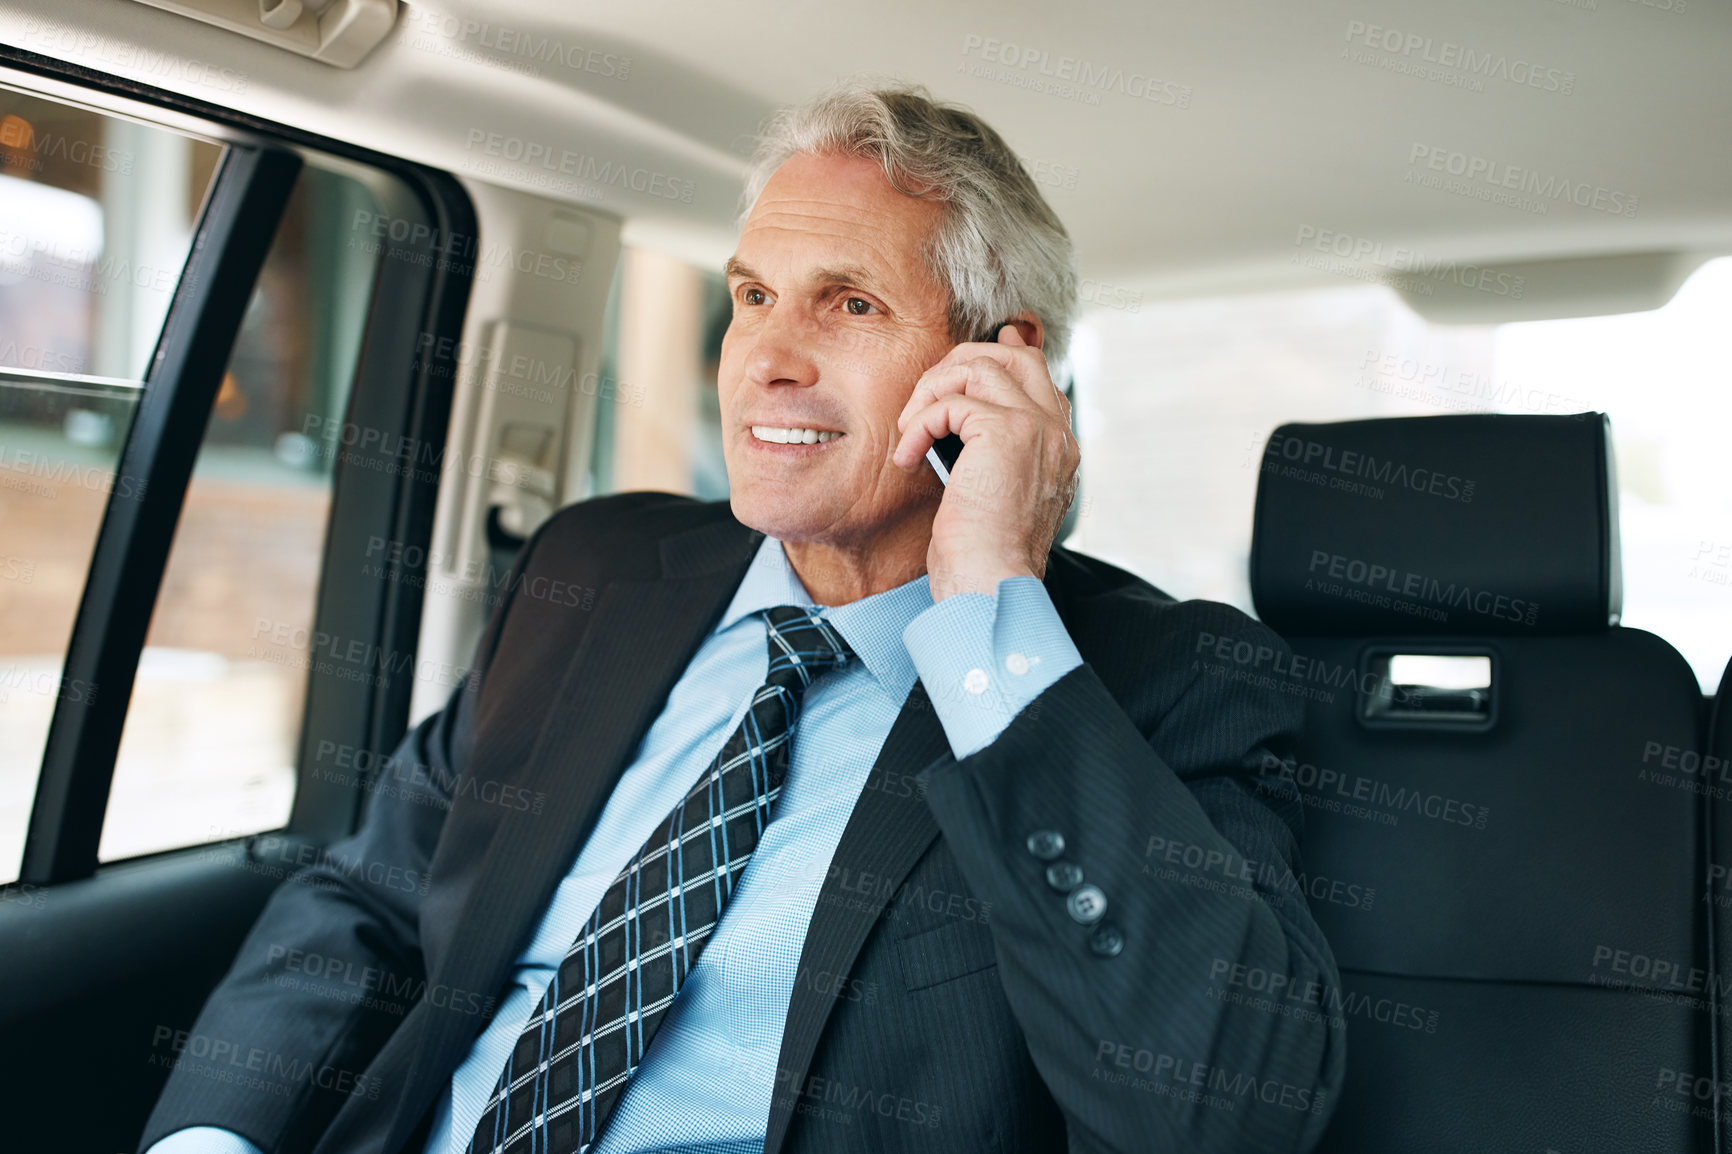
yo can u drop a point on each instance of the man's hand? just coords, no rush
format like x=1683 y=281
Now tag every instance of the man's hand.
x=1014 y=481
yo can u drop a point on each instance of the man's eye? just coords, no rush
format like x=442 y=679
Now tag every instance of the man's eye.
x=865 y=306
x=754 y=296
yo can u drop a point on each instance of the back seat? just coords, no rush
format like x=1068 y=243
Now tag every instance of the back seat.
x=1501 y=847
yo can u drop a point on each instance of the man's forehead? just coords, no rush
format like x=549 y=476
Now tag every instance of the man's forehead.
x=834 y=219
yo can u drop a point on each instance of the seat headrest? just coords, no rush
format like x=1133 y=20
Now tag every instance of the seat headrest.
x=1466 y=524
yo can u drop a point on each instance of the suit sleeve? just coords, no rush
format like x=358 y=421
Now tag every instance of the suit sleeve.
x=1174 y=994
x=334 y=960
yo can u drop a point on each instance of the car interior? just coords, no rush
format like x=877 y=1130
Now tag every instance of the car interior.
x=1403 y=329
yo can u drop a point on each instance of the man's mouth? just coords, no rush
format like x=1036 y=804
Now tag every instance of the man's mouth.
x=779 y=435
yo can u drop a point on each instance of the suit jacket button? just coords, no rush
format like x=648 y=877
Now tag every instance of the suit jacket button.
x=1086 y=904
x=1064 y=876
x=1046 y=844
x=1106 y=940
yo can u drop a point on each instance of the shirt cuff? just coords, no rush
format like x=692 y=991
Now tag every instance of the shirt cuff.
x=983 y=657
x=204 y=1140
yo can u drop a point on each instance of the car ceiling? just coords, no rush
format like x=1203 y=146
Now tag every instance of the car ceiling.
x=1291 y=121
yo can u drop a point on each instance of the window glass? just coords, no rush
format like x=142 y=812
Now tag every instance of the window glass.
x=209 y=747
x=96 y=220
x=1176 y=399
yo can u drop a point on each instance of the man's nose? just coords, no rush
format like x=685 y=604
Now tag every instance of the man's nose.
x=784 y=350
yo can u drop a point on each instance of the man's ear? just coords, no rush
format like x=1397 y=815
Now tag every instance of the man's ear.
x=1028 y=327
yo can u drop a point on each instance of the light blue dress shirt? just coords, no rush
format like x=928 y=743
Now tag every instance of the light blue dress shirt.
x=705 y=1083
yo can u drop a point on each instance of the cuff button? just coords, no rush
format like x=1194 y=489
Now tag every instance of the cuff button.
x=1086 y=904
x=1106 y=940
x=1064 y=876
x=1046 y=844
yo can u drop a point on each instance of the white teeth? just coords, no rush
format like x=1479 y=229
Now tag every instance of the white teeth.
x=781 y=436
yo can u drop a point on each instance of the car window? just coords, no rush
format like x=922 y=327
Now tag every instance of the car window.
x=1180 y=397
x=96 y=222
x=209 y=747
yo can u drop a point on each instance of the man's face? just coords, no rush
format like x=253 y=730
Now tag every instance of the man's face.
x=835 y=318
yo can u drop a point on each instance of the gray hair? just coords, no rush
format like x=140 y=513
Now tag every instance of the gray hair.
x=1000 y=248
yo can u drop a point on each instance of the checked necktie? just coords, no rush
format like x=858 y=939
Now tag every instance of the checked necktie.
x=572 y=1061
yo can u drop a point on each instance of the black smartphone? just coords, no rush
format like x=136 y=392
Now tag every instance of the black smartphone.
x=944 y=451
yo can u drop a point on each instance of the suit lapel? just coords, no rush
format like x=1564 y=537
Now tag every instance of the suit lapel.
x=638 y=643
x=885 y=836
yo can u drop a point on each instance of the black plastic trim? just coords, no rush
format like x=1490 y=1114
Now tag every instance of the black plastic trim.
x=246 y=201
x=400 y=412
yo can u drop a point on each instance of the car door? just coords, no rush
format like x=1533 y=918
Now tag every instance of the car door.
x=227 y=360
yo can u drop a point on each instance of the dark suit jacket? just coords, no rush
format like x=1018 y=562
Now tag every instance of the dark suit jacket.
x=945 y=999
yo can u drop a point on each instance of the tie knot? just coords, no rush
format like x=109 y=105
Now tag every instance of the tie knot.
x=803 y=643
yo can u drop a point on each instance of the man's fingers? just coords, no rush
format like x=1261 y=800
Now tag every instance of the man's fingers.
x=1025 y=364
x=954 y=413
x=981 y=378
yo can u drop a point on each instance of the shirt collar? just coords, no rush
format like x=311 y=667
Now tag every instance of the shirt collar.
x=872 y=626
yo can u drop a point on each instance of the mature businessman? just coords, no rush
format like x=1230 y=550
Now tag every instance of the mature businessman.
x=868 y=819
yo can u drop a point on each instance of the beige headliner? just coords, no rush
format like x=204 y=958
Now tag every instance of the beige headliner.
x=1282 y=131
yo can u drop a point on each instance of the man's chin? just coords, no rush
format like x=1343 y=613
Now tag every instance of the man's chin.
x=775 y=515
